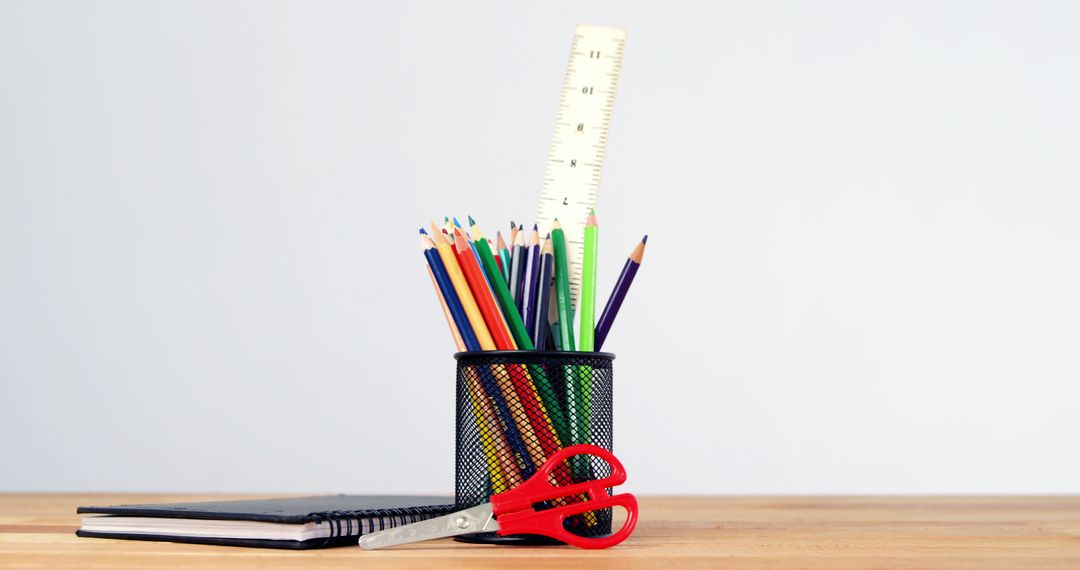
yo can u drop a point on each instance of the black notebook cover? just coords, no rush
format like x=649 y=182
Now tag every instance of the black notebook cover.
x=334 y=510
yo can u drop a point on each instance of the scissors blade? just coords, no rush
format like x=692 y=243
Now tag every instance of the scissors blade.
x=474 y=519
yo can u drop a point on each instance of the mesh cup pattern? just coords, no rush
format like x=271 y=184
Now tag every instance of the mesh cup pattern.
x=516 y=408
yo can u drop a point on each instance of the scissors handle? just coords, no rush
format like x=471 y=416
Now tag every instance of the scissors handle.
x=514 y=509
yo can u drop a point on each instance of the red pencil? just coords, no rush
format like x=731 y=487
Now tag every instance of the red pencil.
x=475 y=276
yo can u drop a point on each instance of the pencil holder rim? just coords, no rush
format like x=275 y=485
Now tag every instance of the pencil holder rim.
x=533 y=354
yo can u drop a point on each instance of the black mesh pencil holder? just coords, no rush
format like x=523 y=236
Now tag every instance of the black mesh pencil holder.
x=515 y=409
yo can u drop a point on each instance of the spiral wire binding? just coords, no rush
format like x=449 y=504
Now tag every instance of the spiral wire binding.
x=382 y=518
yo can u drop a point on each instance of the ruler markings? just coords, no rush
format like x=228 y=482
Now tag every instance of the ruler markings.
x=576 y=154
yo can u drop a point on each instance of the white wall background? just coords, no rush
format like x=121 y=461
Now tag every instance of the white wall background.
x=862 y=274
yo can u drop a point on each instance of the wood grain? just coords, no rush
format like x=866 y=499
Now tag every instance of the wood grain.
x=37 y=531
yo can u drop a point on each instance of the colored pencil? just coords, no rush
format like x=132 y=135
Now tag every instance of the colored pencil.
x=579 y=387
x=618 y=294
x=472 y=245
x=449 y=296
x=517 y=272
x=531 y=290
x=503 y=257
x=461 y=287
x=502 y=293
x=449 y=240
x=514 y=229
x=498 y=261
x=487 y=278
x=552 y=317
x=562 y=289
x=482 y=292
x=587 y=302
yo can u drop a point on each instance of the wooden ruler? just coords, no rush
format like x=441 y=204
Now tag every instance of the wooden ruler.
x=576 y=155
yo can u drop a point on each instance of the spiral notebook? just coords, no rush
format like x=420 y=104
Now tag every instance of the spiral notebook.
x=297 y=523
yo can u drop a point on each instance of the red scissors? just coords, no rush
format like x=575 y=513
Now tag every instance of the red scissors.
x=512 y=512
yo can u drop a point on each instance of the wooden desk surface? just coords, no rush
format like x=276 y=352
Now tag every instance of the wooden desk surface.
x=36 y=531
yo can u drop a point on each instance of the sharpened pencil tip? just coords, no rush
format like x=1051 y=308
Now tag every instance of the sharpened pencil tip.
x=472 y=222
x=645 y=239
x=423 y=231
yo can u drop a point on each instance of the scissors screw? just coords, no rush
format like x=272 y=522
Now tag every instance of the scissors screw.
x=462 y=523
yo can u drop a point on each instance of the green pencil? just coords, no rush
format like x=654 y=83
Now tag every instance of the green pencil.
x=577 y=403
x=502 y=293
x=587 y=306
x=588 y=286
x=562 y=289
x=504 y=255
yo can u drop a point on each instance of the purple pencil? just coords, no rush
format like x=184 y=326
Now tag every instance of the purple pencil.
x=529 y=297
x=518 y=265
x=626 y=278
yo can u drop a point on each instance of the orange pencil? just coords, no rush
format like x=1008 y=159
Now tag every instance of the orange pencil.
x=474 y=275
